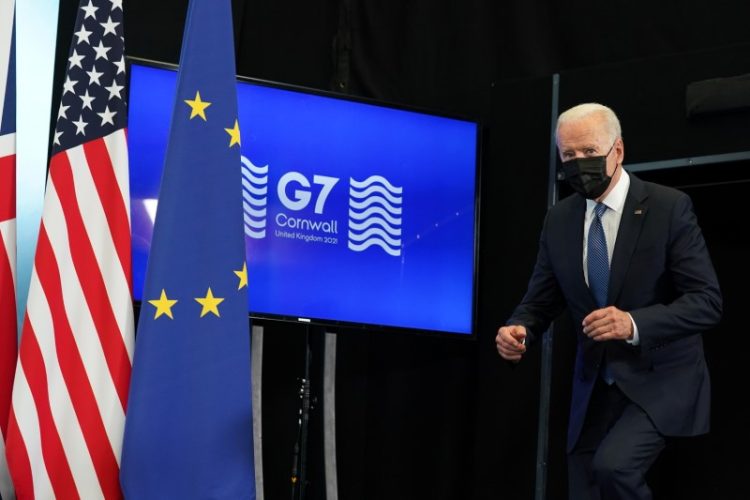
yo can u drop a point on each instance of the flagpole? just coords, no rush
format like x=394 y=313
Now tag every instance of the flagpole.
x=257 y=391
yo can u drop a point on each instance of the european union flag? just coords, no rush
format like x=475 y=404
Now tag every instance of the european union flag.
x=188 y=428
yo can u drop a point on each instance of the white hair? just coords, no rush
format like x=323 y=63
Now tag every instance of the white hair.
x=611 y=123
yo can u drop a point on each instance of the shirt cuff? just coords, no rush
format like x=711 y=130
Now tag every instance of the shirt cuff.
x=636 y=339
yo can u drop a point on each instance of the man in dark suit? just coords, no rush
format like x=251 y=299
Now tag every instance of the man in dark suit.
x=629 y=261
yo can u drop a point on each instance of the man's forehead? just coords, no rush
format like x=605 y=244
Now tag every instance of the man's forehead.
x=585 y=131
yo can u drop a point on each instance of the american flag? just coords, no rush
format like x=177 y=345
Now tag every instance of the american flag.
x=75 y=357
x=7 y=229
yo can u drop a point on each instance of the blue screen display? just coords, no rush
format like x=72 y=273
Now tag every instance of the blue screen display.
x=354 y=212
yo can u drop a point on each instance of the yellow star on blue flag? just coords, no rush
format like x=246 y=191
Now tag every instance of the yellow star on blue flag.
x=242 y=275
x=163 y=305
x=197 y=106
x=210 y=303
x=234 y=134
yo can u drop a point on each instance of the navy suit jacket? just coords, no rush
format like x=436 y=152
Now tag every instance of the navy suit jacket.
x=660 y=273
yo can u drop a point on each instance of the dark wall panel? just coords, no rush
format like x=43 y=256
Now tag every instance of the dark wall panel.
x=289 y=41
x=514 y=201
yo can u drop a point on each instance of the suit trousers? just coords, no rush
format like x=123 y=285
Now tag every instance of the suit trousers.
x=617 y=445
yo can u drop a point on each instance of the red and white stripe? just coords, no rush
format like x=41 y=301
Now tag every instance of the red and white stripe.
x=8 y=326
x=76 y=352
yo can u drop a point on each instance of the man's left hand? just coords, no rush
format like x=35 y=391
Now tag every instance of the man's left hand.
x=608 y=323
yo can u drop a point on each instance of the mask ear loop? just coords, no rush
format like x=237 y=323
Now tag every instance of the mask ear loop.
x=607 y=156
x=611 y=148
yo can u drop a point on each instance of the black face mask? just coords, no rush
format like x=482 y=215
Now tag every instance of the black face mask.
x=588 y=176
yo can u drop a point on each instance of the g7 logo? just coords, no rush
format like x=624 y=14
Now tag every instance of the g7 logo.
x=301 y=197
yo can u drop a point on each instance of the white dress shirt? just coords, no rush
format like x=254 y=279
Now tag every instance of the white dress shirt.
x=615 y=202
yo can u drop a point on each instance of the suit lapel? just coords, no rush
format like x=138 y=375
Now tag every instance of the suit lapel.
x=633 y=215
x=574 y=244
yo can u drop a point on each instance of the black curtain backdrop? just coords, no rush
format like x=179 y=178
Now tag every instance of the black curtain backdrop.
x=444 y=418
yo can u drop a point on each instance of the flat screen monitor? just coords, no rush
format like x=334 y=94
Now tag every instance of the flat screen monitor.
x=356 y=213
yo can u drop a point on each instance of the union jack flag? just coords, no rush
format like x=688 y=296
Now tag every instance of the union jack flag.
x=8 y=327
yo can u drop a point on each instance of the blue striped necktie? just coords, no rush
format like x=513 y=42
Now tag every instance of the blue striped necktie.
x=598 y=268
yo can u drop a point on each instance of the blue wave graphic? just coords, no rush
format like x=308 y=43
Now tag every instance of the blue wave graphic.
x=254 y=198
x=375 y=215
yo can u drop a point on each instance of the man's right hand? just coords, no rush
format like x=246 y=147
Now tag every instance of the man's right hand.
x=510 y=342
